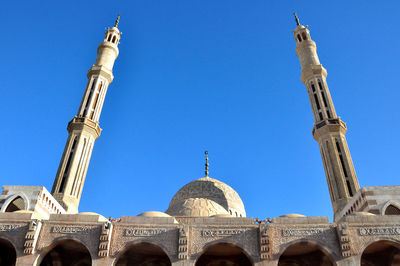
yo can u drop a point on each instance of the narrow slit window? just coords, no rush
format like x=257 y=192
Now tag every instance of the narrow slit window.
x=324 y=99
x=88 y=99
x=67 y=167
x=96 y=99
x=320 y=116
x=312 y=87
x=298 y=37
x=109 y=38
x=316 y=101
x=341 y=159
x=320 y=85
x=114 y=38
x=328 y=113
x=349 y=188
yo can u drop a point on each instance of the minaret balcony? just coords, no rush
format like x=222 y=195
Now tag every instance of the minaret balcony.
x=328 y=125
x=82 y=123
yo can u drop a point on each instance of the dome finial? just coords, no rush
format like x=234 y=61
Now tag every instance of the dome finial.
x=206 y=164
x=297 y=19
x=117 y=21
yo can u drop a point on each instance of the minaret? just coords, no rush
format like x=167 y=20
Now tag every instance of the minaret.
x=84 y=128
x=328 y=129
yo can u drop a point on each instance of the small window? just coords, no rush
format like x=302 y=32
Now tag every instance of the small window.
x=114 y=39
x=392 y=210
x=304 y=36
x=109 y=38
x=298 y=37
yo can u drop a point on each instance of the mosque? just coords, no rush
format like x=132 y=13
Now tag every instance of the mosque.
x=205 y=223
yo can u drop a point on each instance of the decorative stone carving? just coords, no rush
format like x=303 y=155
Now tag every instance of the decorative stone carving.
x=344 y=238
x=144 y=231
x=265 y=249
x=9 y=227
x=105 y=238
x=70 y=229
x=31 y=237
x=379 y=231
x=302 y=232
x=182 y=244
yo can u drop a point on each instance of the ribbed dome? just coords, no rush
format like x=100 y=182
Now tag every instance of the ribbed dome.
x=206 y=197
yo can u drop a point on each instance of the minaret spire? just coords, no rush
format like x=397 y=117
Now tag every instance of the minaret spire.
x=117 y=21
x=329 y=130
x=206 y=164
x=84 y=128
x=297 y=19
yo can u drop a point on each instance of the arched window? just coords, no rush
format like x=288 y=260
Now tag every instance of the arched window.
x=16 y=205
x=304 y=36
x=392 y=210
x=109 y=37
x=114 y=38
x=298 y=37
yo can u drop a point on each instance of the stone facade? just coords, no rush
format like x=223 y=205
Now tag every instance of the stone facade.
x=206 y=221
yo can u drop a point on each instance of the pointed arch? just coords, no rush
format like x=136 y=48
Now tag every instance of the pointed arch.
x=306 y=252
x=381 y=252
x=391 y=208
x=8 y=253
x=16 y=202
x=143 y=254
x=224 y=253
x=66 y=252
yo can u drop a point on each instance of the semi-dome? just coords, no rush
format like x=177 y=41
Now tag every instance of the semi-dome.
x=206 y=197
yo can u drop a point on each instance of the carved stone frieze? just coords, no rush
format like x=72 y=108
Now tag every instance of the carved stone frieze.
x=244 y=237
x=165 y=237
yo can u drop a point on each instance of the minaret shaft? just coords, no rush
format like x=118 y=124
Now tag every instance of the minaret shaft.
x=328 y=129
x=84 y=128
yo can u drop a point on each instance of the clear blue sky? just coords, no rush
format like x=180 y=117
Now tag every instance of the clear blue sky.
x=203 y=75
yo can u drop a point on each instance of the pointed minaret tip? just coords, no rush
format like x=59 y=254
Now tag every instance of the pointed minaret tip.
x=296 y=18
x=206 y=164
x=117 y=21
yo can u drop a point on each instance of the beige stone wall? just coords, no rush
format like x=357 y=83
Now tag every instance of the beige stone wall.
x=253 y=238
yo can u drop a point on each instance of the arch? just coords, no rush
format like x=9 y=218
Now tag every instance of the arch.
x=298 y=37
x=15 y=203
x=304 y=35
x=65 y=252
x=305 y=252
x=114 y=38
x=8 y=253
x=223 y=253
x=391 y=208
x=109 y=37
x=381 y=252
x=142 y=254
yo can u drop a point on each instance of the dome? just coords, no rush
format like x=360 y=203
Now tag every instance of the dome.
x=293 y=215
x=115 y=29
x=101 y=217
x=362 y=214
x=154 y=214
x=206 y=197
